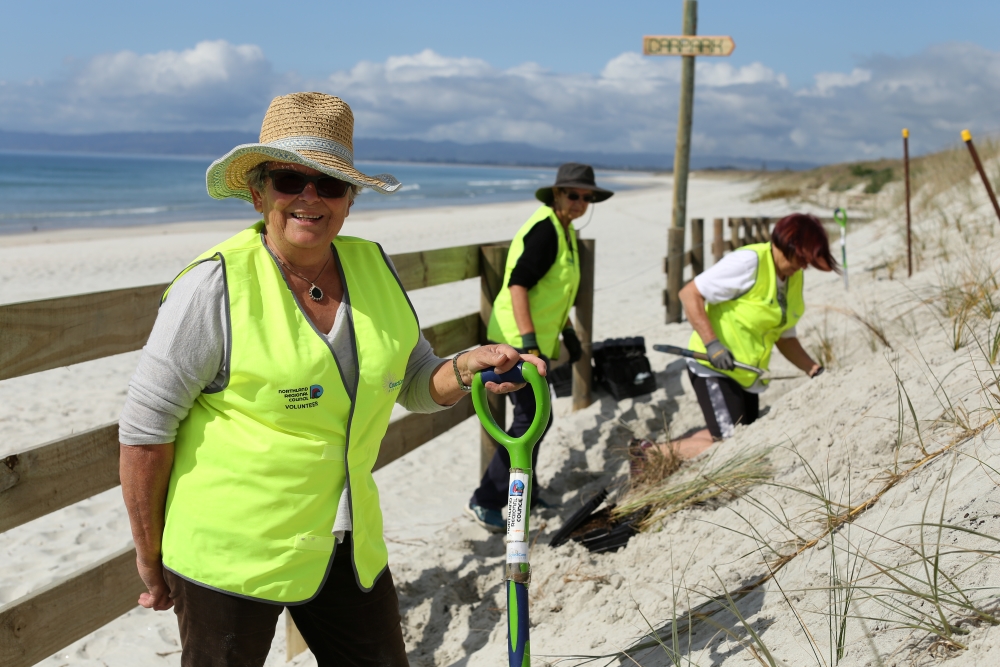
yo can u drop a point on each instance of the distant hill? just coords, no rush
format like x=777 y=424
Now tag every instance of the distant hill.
x=383 y=150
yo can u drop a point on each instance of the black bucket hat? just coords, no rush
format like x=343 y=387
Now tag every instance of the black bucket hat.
x=573 y=175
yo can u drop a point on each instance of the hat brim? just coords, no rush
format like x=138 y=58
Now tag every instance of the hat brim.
x=226 y=177
x=545 y=196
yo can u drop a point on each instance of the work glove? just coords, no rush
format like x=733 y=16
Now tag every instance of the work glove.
x=572 y=344
x=719 y=356
x=529 y=345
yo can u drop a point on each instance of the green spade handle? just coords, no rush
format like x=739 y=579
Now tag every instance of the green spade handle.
x=518 y=448
x=518 y=572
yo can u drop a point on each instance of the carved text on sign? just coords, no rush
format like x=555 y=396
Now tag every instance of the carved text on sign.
x=690 y=45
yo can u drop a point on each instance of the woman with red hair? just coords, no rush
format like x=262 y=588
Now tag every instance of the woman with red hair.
x=740 y=309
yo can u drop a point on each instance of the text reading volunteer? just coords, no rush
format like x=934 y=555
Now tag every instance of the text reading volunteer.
x=540 y=282
x=255 y=415
x=740 y=308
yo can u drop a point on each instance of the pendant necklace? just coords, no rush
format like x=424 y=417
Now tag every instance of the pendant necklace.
x=314 y=292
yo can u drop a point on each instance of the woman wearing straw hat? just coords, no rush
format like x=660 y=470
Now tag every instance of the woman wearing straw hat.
x=532 y=310
x=256 y=412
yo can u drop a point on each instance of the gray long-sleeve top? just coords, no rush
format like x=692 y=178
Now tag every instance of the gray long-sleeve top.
x=186 y=353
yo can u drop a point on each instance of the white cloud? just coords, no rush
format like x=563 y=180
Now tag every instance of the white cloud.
x=828 y=82
x=214 y=85
x=630 y=105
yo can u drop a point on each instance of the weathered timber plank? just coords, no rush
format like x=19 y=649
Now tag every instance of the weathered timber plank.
x=48 y=620
x=437 y=267
x=39 y=335
x=49 y=477
x=408 y=433
x=454 y=335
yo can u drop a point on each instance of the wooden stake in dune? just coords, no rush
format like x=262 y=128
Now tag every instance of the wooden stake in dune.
x=906 y=177
x=840 y=217
x=688 y=46
x=967 y=138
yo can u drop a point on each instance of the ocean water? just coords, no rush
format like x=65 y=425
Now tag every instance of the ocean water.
x=42 y=191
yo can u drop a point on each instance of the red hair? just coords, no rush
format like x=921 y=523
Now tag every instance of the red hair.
x=802 y=236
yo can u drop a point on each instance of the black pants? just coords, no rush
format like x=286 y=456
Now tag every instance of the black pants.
x=342 y=625
x=725 y=403
x=492 y=491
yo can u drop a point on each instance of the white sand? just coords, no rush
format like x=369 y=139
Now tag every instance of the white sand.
x=843 y=424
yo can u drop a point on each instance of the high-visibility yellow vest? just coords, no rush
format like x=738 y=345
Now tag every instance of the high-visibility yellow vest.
x=751 y=324
x=550 y=299
x=259 y=466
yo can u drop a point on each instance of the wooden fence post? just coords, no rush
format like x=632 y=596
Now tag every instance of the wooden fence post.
x=493 y=259
x=675 y=272
x=734 y=233
x=294 y=642
x=747 y=231
x=584 y=324
x=765 y=227
x=697 y=245
x=718 y=247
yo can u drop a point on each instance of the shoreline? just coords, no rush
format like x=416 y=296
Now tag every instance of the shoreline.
x=641 y=181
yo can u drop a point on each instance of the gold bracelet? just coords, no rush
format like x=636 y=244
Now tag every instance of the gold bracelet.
x=458 y=376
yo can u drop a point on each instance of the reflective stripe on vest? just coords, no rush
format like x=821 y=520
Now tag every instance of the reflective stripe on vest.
x=751 y=324
x=260 y=465
x=550 y=299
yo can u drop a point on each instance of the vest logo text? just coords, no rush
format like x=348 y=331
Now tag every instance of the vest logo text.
x=390 y=383
x=301 y=397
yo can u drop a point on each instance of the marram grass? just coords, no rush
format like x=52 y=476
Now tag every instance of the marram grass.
x=711 y=480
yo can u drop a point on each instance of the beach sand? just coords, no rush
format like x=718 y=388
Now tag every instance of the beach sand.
x=843 y=426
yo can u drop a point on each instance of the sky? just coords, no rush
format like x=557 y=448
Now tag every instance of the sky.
x=809 y=80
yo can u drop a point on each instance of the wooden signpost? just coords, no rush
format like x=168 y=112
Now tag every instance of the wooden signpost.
x=687 y=46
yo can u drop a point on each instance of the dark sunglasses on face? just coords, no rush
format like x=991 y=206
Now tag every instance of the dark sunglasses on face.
x=574 y=196
x=290 y=182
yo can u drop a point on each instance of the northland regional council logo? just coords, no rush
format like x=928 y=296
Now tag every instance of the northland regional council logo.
x=517 y=488
x=390 y=383
x=315 y=391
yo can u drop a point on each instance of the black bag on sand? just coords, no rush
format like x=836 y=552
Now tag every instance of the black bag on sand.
x=621 y=367
x=561 y=380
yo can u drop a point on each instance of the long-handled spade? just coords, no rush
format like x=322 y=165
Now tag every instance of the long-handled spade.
x=691 y=354
x=517 y=572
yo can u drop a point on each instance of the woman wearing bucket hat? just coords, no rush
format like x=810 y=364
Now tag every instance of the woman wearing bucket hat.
x=255 y=415
x=532 y=310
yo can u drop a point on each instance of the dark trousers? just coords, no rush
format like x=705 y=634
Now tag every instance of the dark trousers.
x=492 y=491
x=725 y=404
x=342 y=625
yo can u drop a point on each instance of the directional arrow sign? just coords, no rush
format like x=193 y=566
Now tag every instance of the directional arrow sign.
x=687 y=45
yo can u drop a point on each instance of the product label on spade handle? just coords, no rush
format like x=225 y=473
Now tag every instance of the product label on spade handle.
x=517 y=552
x=517 y=507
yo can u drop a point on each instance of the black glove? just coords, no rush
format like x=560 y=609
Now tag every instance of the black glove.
x=719 y=356
x=572 y=344
x=529 y=345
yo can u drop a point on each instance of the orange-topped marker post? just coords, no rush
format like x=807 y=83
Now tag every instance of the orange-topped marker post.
x=688 y=46
x=967 y=138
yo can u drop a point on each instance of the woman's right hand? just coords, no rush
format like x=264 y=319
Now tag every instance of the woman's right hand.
x=158 y=596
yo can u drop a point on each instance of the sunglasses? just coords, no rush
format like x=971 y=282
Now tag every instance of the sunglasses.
x=576 y=196
x=290 y=182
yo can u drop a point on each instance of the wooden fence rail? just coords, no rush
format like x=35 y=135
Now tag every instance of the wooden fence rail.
x=742 y=231
x=41 y=335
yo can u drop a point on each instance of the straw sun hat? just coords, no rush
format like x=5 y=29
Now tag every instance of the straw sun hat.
x=311 y=129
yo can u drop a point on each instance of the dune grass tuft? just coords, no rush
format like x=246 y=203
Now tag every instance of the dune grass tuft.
x=708 y=481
